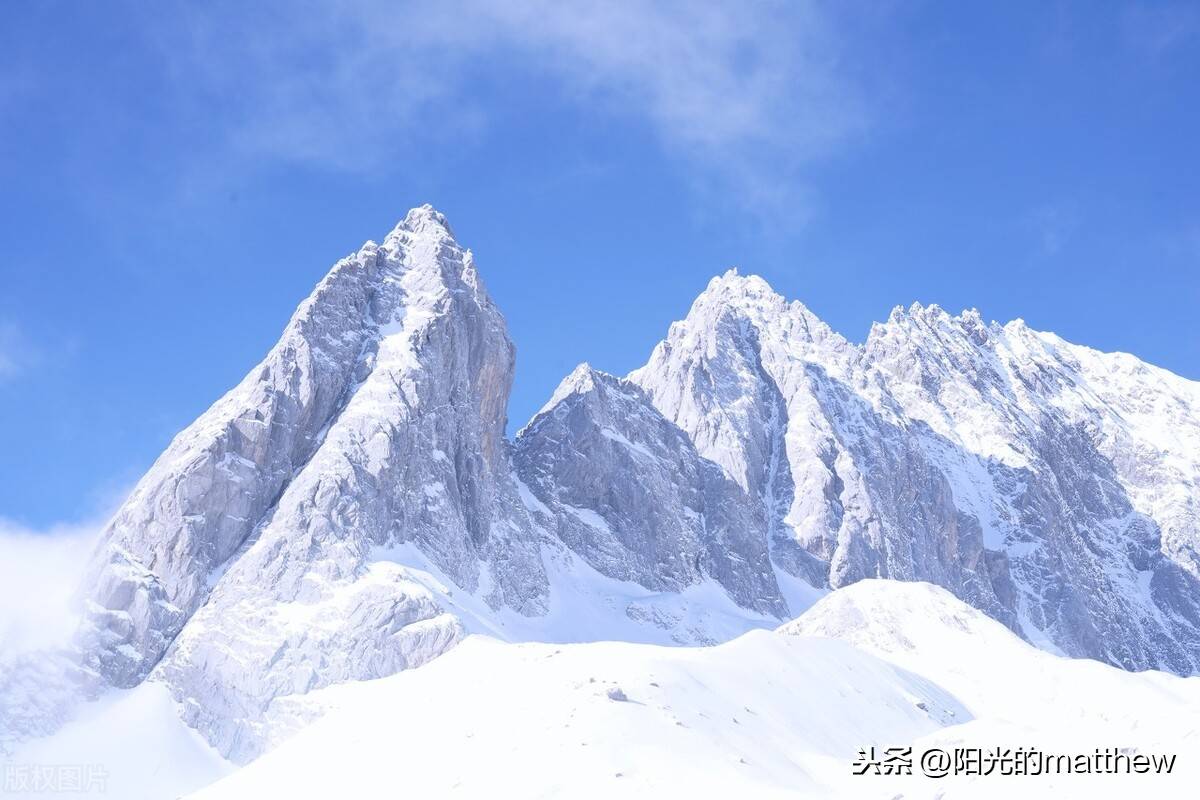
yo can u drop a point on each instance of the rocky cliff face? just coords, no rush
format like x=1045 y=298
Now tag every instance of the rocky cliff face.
x=242 y=568
x=1049 y=485
x=775 y=397
x=630 y=494
x=352 y=506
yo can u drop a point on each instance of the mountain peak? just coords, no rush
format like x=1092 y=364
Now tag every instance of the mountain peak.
x=929 y=314
x=732 y=285
x=969 y=321
x=424 y=219
x=583 y=379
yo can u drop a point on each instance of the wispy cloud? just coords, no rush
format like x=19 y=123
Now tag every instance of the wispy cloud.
x=15 y=352
x=40 y=572
x=1054 y=225
x=47 y=562
x=1159 y=28
x=742 y=96
x=743 y=91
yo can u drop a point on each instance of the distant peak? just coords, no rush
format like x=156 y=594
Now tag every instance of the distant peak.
x=424 y=219
x=734 y=304
x=930 y=312
x=745 y=293
x=582 y=380
x=918 y=320
x=923 y=313
x=733 y=282
x=972 y=316
x=583 y=373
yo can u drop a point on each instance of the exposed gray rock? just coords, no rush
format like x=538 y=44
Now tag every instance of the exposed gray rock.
x=631 y=495
x=1049 y=485
x=245 y=560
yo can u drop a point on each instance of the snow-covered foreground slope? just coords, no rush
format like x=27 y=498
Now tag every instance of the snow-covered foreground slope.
x=1017 y=695
x=606 y=719
x=769 y=714
x=131 y=744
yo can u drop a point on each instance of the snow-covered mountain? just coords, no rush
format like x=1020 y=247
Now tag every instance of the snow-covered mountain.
x=628 y=492
x=352 y=508
x=243 y=569
x=1052 y=486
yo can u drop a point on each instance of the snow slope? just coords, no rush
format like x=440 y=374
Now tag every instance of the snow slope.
x=762 y=714
x=769 y=714
x=131 y=745
x=1016 y=694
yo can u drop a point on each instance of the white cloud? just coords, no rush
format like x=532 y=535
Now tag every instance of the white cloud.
x=741 y=95
x=40 y=571
x=749 y=93
x=709 y=76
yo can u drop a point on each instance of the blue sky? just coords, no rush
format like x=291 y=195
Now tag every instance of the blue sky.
x=175 y=178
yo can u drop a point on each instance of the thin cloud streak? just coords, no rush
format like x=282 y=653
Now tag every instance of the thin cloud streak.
x=742 y=98
x=15 y=352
